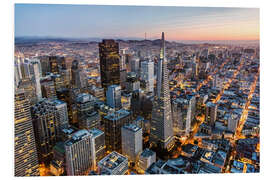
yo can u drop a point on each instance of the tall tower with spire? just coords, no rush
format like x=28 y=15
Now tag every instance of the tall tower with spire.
x=161 y=123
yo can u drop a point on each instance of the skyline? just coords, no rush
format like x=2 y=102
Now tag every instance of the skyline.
x=179 y=23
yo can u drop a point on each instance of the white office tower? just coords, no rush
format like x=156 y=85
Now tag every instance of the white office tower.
x=161 y=123
x=17 y=77
x=147 y=74
x=233 y=122
x=18 y=67
x=97 y=146
x=78 y=153
x=113 y=96
x=61 y=113
x=36 y=73
x=190 y=113
x=146 y=159
x=131 y=141
x=113 y=164
x=25 y=69
x=135 y=65
x=122 y=59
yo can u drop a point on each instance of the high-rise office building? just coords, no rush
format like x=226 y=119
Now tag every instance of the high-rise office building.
x=113 y=96
x=58 y=81
x=146 y=159
x=16 y=76
x=46 y=128
x=56 y=63
x=113 y=164
x=61 y=113
x=48 y=88
x=65 y=76
x=113 y=123
x=88 y=118
x=147 y=74
x=26 y=159
x=123 y=78
x=131 y=141
x=122 y=59
x=211 y=113
x=78 y=76
x=25 y=69
x=190 y=112
x=63 y=94
x=52 y=64
x=136 y=102
x=29 y=90
x=98 y=92
x=78 y=153
x=161 y=123
x=179 y=115
x=135 y=65
x=109 y=63
x=233 y=122
x=97 y=146
x=35 y=71
x=132 y=82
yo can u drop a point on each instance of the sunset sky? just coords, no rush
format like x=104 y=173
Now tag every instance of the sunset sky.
x=179 y=23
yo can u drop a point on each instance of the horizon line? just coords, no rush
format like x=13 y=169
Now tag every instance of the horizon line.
x=127 y=38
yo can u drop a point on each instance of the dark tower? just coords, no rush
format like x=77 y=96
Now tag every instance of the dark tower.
x=109 y=63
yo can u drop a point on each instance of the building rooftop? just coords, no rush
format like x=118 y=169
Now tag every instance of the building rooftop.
x=96 y=132
x=147 y=153
x=117 y=115
x=112 y=161
x=84 y=97
x=68 y=131
x=77 y=136
x=57 y=102
x=131 y=127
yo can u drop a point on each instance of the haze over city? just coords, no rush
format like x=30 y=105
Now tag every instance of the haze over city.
x=182 y=24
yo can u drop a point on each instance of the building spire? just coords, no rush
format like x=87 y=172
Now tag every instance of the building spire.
x=161 y=124
x=162 y=50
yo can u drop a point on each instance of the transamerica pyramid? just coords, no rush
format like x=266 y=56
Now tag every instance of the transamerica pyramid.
x=161 y=123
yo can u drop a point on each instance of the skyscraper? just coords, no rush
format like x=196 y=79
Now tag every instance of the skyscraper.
x=211 y=113
x=132 y=82
x=146 y=159
x=78 y=76
x=78 y=153
x=26 y=160
x=233 y=122
x=61 y=113
x=88 y=118
x=48 y=88
x=35 y=71
x=190 y=112
x=46 y=128
x=109 y=63
x=29 y=90
x=135 y=65
x=131 y=141
x=161 y=123
x=113 y=123
x=97 y=145
x=114 y=96
x=147 y=74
